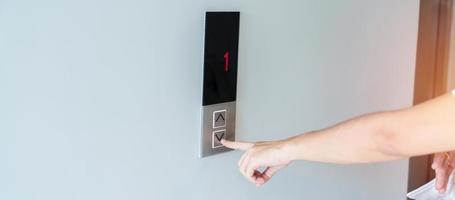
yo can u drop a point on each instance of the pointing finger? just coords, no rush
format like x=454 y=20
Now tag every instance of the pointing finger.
x=237 y=145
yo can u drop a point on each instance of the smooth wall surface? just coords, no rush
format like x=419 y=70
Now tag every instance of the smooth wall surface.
x=101 y=99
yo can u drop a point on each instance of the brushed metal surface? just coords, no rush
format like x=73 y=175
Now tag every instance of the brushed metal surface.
x=208 y=128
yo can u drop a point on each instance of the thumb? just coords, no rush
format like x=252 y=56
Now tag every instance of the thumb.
x=237 y=145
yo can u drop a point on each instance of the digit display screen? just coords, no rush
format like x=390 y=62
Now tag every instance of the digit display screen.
x=220 y=57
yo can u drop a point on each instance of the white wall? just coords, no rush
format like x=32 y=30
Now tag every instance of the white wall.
x=100 y=99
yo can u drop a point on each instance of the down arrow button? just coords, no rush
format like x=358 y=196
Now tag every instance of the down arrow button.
x=217 y=136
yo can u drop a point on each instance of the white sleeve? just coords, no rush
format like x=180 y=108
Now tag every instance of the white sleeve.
x=453 y=92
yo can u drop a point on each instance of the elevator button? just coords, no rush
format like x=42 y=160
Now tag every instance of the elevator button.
x=219 y=118
x=216 y=138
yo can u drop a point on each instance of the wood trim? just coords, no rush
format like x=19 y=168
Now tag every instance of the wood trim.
x=443 y=47
x=451 y=72
x=431 y=73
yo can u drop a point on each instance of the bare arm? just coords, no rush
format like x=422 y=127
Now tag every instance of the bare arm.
x=423 y=129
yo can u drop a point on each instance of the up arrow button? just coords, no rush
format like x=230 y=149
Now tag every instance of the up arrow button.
x=219 y=118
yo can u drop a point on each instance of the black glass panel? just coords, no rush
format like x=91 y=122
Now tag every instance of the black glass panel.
x=220 y=57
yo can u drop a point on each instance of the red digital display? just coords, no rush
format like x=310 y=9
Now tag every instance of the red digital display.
x=226 y=61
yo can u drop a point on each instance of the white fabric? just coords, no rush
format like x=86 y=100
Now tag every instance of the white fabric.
x=429 y=192
x=453 y=92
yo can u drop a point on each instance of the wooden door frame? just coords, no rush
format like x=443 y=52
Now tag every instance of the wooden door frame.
x=431 y=75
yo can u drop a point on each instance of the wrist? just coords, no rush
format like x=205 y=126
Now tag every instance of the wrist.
x=296 y=147
x=290 y=148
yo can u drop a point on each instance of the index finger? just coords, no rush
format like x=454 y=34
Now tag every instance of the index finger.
x=237 y=145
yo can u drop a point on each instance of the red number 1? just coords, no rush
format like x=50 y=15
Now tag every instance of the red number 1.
x=226 y=61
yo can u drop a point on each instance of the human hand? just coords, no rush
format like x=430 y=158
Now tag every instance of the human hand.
x=443 y=166
x=273 y=156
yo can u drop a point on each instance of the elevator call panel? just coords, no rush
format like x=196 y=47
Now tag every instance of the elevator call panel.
x=220 y=80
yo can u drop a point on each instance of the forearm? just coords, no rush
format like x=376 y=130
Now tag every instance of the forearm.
x=359 y=140
x=423 y=129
